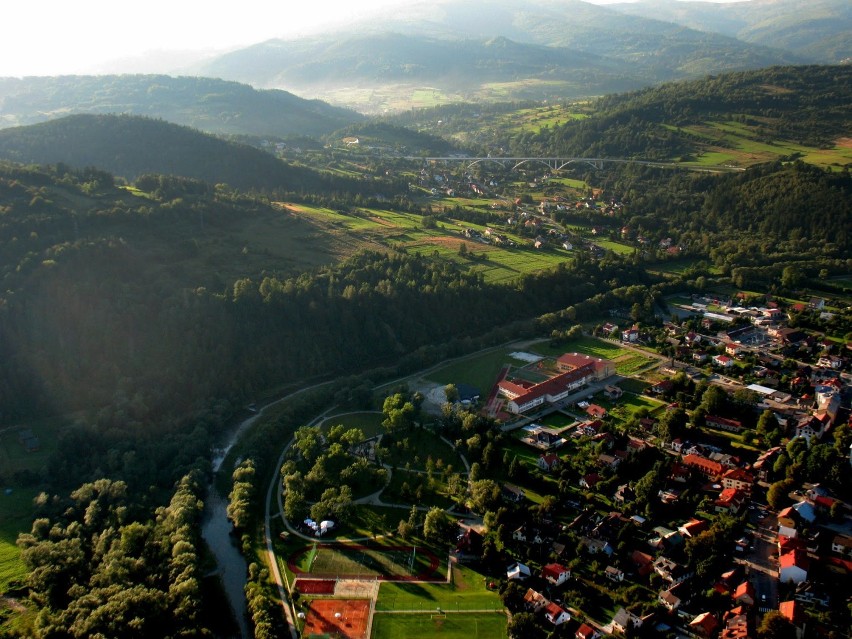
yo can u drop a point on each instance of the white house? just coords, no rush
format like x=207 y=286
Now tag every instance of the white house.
x=556 y=614
x=557 y=574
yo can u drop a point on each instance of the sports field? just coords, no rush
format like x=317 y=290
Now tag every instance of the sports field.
x=356 y=561
x=448 y=626
x=343 y=618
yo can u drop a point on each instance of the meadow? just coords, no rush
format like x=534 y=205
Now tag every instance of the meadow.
x=374 y=228
x=15 y=517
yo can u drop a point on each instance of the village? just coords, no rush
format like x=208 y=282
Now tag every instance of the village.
x=722 y=529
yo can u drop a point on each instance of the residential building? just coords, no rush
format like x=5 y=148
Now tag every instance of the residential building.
x=614 y=574
x=556 y=574
x=794 y=567
x=556 y=614
x=730 y=500
x=534 y=600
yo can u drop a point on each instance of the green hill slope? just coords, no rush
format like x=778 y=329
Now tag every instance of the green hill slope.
x=750 y=115
x=130 y=146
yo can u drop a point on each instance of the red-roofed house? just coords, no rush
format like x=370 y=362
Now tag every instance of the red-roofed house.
x=704 y=625
x=643 y=562
x=534 y=600
x=630 y=335
x=794 y=567
x=744 y=594
x=723 y=360
x=723 y=423
x=556 y=614
x=730 y=500
x=704 y=465
x=548 y=462
x=792 y=611
x=595 y=412
x=585 y=631
x=738 y=478
x=557 y=574
x=693 y=527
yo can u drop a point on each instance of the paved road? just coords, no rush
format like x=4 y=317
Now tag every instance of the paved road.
x=762 y=562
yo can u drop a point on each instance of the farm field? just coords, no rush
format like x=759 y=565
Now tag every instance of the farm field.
x=448 y=626
x=404 y=230
x=15 y=517
x=746 y=150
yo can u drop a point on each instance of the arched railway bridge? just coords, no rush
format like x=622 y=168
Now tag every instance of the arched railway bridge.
x=559 y=163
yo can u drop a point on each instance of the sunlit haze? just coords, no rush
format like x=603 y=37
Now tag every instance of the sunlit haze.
x=97 y=36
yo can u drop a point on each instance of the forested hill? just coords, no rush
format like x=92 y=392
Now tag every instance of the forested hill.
x=130 y=146
x=808 y=105
x=208 y=104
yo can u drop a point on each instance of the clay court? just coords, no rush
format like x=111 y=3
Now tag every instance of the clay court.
x=322 y=619
x=315 y=586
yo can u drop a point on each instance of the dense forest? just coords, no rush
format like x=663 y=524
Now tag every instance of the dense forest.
x=130 y=146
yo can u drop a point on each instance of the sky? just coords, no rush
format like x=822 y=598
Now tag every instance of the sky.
x=54 y=37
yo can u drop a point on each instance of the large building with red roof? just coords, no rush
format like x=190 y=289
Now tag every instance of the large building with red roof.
x=524 y=395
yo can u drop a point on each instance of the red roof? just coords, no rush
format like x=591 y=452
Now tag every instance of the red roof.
x=792 y=610
x=705 y=465
x=525 y=392
x=796 y=558
x=585 y=631
x=743 y=590
x=554 y=610
x=553 y=571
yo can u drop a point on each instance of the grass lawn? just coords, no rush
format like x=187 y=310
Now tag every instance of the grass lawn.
x=14 y=458
x=633 y=386
x=369 y=422
x=556 y=420
x=466 y=591
x=480 y=371
x=16 y=512
x=451 y=626
x=403 y=560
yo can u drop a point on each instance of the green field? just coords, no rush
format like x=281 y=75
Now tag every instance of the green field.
x=466 y=591
x=480 y=371
x=14 y=458
x=449 y=626
x=742 y=149
x=16 y=512
x=585 y=345
x=365 y=562
x=405 y=231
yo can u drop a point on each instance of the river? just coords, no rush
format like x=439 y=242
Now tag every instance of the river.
x=216 y=530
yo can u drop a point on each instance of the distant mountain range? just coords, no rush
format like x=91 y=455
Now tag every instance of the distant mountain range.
x=216 y=106
x=817 y=29
x=513 y=49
